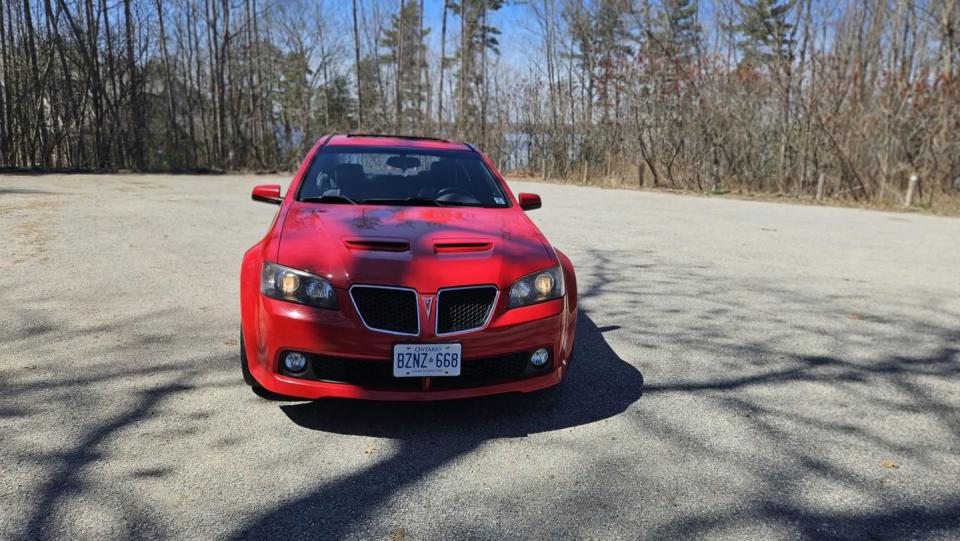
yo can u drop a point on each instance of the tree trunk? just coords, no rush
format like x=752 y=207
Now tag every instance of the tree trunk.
x=39 y=153
x=5 y=102
x=96 y=86
x=136 y=102
x=399 y=97
x=356 y=59
x=443 y=66
x=462 y=91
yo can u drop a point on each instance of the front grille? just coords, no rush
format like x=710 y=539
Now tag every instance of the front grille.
x=491 y=370
x=379 y=373
x=387 y=309
x=508 y=366
x=368 y=373
x=464 y=309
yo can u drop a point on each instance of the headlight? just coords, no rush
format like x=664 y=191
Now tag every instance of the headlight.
x=539 y=286
x=294 y=285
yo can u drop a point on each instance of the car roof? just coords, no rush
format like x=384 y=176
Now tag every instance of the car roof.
x=407 y=141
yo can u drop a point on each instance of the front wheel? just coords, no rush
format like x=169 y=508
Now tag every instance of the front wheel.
x=248 y=378
x=244 y=367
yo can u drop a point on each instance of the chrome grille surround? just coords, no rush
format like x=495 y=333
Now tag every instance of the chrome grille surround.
x=373 y=326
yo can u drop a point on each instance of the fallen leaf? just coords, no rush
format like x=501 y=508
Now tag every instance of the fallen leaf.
x=889 y=464
x=398 y=534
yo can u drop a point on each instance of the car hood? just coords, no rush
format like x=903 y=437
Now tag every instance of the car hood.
x=426 y=248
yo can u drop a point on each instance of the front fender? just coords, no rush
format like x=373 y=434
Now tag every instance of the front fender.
x=570 y=306
x=569 y=280
x=249 y=300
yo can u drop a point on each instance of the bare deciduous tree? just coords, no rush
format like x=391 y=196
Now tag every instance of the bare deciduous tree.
x=791 y=96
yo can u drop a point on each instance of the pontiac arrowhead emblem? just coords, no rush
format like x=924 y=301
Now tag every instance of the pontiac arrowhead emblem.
x=427 y=303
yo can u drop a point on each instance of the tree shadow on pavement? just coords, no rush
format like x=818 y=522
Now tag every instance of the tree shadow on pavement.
x=768 y=411
x=771 y=409
x=429 y=436
x=786 y=411
x=135 y=391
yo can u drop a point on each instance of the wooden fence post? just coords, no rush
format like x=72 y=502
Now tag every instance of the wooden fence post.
x=820 y=182
x=911 y=190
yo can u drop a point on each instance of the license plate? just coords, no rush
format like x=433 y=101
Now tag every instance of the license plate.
x=426 y=360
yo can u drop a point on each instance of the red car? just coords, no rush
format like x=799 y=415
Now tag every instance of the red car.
x=403 y=268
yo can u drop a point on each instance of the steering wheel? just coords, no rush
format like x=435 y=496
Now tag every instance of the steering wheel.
x=453 y=190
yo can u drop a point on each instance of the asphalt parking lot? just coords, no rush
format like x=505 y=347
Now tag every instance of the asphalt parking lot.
x=743 y=370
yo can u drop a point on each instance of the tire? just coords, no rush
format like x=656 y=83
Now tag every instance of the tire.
x=248 y=378
x=245 y=368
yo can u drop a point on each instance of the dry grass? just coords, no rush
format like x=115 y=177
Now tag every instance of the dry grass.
x=940 y=204
x=28 y=221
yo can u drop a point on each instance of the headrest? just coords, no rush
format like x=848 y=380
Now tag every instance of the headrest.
x=349 y=173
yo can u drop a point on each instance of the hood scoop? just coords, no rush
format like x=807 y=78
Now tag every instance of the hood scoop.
x=377 y=245
x=453 y=246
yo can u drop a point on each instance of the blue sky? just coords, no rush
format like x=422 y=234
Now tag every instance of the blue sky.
x=519 y=38
x=512 y=20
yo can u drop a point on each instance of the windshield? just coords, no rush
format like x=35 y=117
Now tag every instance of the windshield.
x=400 y=176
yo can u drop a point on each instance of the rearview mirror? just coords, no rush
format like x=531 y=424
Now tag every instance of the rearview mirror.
x=403 y=162
x=267 y=193
x=529 y=201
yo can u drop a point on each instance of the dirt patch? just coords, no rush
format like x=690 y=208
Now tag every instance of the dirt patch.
x=941 y=205
x=138 y=186
x=29 y=220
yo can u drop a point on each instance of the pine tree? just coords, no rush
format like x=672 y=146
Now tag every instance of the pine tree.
x=675 y=32
x=370 y=97
x=764 y=30
x=477 y=37
x=601 y=40
x=341 y=105
x=404 y=42
x=611 y=47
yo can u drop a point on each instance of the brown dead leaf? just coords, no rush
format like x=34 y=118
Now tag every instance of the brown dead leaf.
x=889 y=464
x=398 y=534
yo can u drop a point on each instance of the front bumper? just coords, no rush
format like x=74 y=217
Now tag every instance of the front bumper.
x=280 y=326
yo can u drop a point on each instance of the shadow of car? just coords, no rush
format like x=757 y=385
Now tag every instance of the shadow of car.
x=430 y=435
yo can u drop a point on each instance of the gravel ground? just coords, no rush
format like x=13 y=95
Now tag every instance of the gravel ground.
x=743 y=370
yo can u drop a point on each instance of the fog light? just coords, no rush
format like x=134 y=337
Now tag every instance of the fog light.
x=294 y=362
x=540 y=357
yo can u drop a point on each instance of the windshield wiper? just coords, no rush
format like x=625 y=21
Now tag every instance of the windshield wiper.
x=464 y=204
x=412 y=201
x=329 y=198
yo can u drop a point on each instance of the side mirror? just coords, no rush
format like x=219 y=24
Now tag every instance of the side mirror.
x=267 y=193
x=529 y=201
